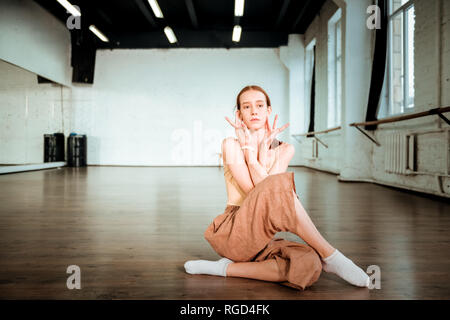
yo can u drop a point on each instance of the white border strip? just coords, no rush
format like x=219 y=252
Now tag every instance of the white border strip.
x=30 y=167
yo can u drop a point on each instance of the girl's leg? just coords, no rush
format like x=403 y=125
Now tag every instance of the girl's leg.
x=309 y=233
x=266 y=270
x=333 y=260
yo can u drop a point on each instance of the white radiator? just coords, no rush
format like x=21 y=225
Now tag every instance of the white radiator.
x=399 y=153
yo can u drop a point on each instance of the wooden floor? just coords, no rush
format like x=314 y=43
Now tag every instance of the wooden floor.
x=130 y=230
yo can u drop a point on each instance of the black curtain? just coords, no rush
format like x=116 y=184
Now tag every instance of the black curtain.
x=313 y=94
x=378 y=66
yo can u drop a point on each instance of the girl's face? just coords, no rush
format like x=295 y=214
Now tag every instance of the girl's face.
x=254 y=109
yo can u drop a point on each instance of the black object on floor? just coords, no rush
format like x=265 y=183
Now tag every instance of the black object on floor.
x=77 y=151
x=54 y=147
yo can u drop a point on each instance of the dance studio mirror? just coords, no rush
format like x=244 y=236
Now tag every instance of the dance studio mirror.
x=31 y=106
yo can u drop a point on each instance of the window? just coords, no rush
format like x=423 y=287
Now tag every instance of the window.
x=309 y=65
x=401 y=57
x=334 y=70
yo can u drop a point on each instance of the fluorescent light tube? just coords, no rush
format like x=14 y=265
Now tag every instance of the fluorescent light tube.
x=73 y=11
x=238 y=8
x=98 y=33
x=170 y=35
x=237 y=33
x=156 y=9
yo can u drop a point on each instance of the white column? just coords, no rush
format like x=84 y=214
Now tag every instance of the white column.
x=293 y=57
x=357 y=149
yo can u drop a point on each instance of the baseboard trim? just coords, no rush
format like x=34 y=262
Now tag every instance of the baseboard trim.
x=398 y=186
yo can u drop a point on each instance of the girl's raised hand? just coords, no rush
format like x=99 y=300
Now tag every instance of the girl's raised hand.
x=245 y=137
x=239 y=128
x=271 y=133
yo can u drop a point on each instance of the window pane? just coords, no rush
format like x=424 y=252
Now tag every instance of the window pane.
x=410 y=45
x=396 y=64
x=334 y=70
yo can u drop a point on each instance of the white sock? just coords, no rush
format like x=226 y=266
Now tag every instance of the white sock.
x=215 y=268
x=345 y=268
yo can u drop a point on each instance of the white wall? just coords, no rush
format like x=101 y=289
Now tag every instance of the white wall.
x=28 y=110
x=35 y=40
x=293 y=56
x=167 y=106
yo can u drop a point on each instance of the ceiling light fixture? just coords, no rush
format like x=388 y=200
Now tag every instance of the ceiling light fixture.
x=238 y=8
x=237 y=33
x=170 y=35
x=69 y=7
x=156 y=9
x=98 y=33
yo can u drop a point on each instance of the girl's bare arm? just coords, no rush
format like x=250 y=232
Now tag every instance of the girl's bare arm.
x=248 y=174
x=257 y=172
x=235 y=160
x=283 y=157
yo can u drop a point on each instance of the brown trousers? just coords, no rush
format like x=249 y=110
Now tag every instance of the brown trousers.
x=246 y=233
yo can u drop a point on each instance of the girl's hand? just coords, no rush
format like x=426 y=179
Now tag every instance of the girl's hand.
x=246 y=138
x=251 y=141
x=239 y=128
x=269 y=136
x=263 y=148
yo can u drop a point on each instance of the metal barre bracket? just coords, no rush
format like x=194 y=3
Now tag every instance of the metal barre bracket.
x=320 y=142
x=367 y=135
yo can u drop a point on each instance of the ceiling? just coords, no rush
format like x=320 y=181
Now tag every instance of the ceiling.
x=196 y=23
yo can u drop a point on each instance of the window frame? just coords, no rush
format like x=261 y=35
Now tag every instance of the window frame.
x=337 y=96
x=334 y=103
x=403 y=9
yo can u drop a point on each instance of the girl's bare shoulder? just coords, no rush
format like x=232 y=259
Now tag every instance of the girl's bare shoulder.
x=286 y=149
x=230 y=141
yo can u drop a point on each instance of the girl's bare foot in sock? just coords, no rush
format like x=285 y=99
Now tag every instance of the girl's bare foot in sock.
x=345 y=268
x=214 y=268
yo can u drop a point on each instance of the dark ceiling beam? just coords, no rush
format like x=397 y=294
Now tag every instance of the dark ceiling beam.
x=92 y=14
x=146 y=12
x=282 y=13
x=188 y=38
x=105 y=18
x=300 y=15
x=191 y=11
